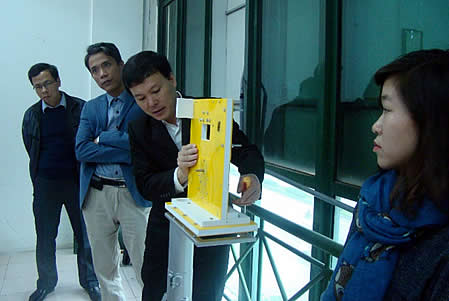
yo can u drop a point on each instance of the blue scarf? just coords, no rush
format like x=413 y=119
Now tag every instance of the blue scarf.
x=366 y=265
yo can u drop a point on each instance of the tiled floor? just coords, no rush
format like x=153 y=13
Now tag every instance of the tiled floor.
x=18 y=278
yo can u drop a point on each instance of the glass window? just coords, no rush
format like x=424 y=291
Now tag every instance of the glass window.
x=374 y=33
x=281 y=198
x=231 y=289
x=293 y=270
x=342 y=220
x=295 y=205
x=170 y=32
x=194 y=50
x=292 y=81
x=342 y=223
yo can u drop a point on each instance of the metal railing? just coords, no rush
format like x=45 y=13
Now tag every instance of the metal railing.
x=262 y=237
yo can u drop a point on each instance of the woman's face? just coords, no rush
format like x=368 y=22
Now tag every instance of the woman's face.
x=396 y=131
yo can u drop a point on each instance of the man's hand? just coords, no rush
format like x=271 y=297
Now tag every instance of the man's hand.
x=97 y=140
x=249 y=186
x=187 y=157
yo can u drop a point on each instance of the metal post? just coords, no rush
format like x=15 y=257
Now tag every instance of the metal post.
x=180 y=265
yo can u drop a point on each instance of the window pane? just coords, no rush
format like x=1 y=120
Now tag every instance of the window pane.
x=374 y=33
x=356 y=161
x=195 y=31
x=297 y=205
x=292 y=204
x=293 y=81
x=170 y=17
x=293 y=270
x=342 y=223
x=234 y=3
x=342 y=220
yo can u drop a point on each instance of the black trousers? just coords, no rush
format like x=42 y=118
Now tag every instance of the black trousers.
x=210 y=265
x=49 y=197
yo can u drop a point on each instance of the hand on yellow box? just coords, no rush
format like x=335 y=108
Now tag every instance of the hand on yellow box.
x=249 y=186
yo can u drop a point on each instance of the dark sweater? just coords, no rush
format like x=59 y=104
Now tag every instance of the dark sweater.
x=57 y=149
x=422 y=272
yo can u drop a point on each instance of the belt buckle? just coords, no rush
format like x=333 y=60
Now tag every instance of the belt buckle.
x=122 y=185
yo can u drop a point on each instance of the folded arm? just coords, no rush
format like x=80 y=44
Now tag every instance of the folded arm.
x=114 y=138
x=112 y=147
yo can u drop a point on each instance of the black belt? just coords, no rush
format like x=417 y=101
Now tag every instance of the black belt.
x=98 y=182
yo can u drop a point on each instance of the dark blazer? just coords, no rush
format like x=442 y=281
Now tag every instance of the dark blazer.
x=154 y=158
x=31 y=133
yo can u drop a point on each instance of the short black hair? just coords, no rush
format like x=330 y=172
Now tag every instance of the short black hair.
x=107 y=48
x=39 y=67
x=142 y=65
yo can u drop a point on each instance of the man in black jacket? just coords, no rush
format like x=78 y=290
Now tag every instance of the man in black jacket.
x=161 y=156
x=48 y=130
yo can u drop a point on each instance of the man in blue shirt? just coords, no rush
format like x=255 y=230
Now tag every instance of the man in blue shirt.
x=48 y=131
x=108 y=192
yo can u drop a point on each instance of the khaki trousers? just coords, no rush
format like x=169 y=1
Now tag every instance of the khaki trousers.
x=104 y=211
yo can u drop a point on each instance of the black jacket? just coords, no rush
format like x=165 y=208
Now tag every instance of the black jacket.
x=154 y=157
x=31 y=128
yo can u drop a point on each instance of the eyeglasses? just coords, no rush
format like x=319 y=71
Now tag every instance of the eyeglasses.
x=45 y=85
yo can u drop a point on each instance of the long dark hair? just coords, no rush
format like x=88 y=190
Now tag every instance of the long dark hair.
x=422 y=81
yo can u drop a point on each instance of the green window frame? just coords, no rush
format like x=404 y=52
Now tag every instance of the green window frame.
x=180 y=30
x=339 y=119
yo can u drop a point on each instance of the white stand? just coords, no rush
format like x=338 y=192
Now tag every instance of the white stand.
x=191 y=223
x=180 y=263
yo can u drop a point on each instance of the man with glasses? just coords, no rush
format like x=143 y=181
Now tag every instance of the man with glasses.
x=48 y=131
x=108 y=191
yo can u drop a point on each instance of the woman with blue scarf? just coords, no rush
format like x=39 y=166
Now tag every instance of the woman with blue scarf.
x=398 y=244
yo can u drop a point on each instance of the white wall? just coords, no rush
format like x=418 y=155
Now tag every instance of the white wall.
x=56 y=32
x=120 y=23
